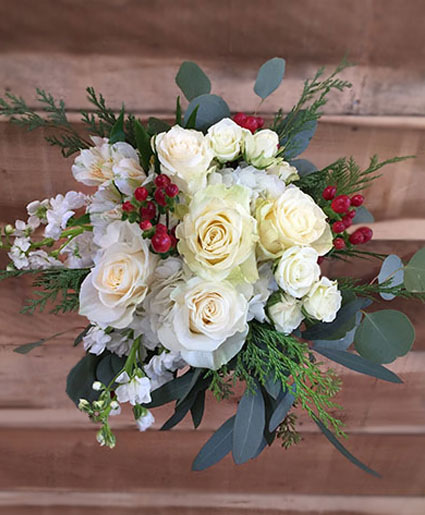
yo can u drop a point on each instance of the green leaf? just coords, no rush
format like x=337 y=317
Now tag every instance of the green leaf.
x=358 y=364
x=341 y=343
x=170 y=391
x=385 y=335
x=249 y=426
x=297 y=143
x=155 y=126
x=197 y=409
x=191 y=122
x=304 y=167
x=196 y=376
x=180 y=411
x=345 y=452
x=192 y=80
x=81 y=220
x=117 y=131
x=143 y=144
x=414 y=273
x=178 y=112
x=212 y=109
x=217 y=447
x=272 y=386
x=28 y=347
x=281 y=410
x=81 y=378
x=269 y=77
x=363 y=216
x=392 y=268
x=108 y=367
x=80 y=337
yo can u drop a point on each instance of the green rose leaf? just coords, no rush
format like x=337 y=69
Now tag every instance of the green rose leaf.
x=384 y=336
x=414 y=273
x=211 y=110
x=392 y=268
x=192 y=80
x=269 y=77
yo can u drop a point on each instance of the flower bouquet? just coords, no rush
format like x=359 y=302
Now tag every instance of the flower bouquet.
x=196 y=259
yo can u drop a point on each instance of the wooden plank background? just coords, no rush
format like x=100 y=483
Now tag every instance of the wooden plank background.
x=130 y=50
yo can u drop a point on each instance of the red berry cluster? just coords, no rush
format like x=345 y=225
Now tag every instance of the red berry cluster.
x=343 y=215
x=146 y=208
x=252 y=123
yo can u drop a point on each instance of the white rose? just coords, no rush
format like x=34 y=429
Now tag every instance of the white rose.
x=217 y=237
x=185 y=156
x=286 y=314
x=324 y=300
x=225 y=138
x=119 y=281
x=207 y=324
x=284 y=171
x=293 y=219
x=260 y=149
x=298 y=270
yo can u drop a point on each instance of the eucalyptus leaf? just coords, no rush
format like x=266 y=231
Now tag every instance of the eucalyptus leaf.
x=341 y=343
x=261 y=448
x=81 y=336
x=269 y=77
x=180 y=411
x=363 y=216
x=197 y=409
x=196 y=376
x=192 y=80
x=211 y=110
x=273 y=386
x=249 y=425
x=392 y=268
x=28 y=347
x=297 y=143
x=358 y=364
x=304 y=167
x=384 y=335
x=216 y=447
x=117 y=131
x=281 y=410
x=170 y=391
x=414 y=273
x=81 y=378
x=345 y=452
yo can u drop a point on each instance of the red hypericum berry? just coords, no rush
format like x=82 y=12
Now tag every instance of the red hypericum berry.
x=339 y=243
x=148 y=212
x=240 y=118
x=357 y=200
x=341 y=203
x=338 y=227
x=127 y=207
x=172 y=190
x=260 y=122
x=160 y=197
x=351 y=213
x=251 y=124
x=357 y=238
x=145 y=225
x=367 y=233
x=162 y=181
x=161 y=242
x=173 y=240
x=161 y=228
x=347 y=221
x=320 y=260
x=329 y=192
x=141 y=194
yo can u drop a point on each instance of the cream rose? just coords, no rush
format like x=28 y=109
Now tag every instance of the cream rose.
x=286 y=172
x=217 y=237
x=260 y=149
x=104 y=162
x=286 y=314
x=324 y=300
x=207 y=324
x=297 y=270
x=293 y=219
x=225 y=138
x=119 y=280
x=185 y=156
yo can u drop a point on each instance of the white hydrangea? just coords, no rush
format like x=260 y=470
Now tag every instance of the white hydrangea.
x=135 y=391
x=145 y=421
x=61 y=209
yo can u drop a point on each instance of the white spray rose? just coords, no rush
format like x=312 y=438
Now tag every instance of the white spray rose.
x=286 y=314
x=185 y=156
x=207 y=324
x=218 y=234
x=225 y=138
x=324 y=300
x=298 y=270
x=260 y=149
x=294 y=219
x=119 y=281
x=284 y=171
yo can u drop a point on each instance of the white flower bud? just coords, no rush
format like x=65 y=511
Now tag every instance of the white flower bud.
x=97 y=385
x=114 y=405
x=9 y=229
x=83 y=404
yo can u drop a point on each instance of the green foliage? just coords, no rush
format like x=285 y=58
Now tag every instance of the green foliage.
x=287 y=432
x=211 y=109
x=370 y=290
x=269 y=77
x=221 y=383
x=102 y=119
x=53 y=283
x=117 y=131
x=67 y=139
x=415 y=273
x=192 y=80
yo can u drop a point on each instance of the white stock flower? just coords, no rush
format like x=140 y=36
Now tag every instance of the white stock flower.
x=26 y=228
x=298 y=270
x=18 y=252
x=207 y=324
x=160 y=368
x=260 y=149
x=61 y=209
x=293 y=219
x=217 y=236
x=185 y=156
x=145 y=421
x=225 y=138
x=323 y=300
x=95 y=340
x=119 y=344
x=40 y=259
x=135 y=391
x=286 y=314
x=286 y=172
x=104 y=208
x=119 y=281
x=104 y=162
x=80 y=251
